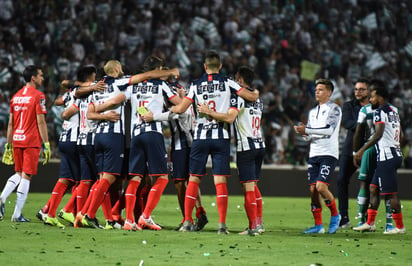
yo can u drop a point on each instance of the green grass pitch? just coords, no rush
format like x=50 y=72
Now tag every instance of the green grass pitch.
x=282 y=244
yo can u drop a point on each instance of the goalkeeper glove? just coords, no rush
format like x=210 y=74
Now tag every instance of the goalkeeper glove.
x=8 y=156
x=46 y=152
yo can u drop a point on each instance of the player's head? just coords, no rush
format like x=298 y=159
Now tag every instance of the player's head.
x=33 y=74
x=113 y=68
x=86 y=73
x=323 y=90
x=152 y=62
x=245 y=76
x=379 y=93
x=212 y=62
x=361 y=89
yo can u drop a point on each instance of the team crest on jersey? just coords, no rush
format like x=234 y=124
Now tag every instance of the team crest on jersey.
x=43 y=104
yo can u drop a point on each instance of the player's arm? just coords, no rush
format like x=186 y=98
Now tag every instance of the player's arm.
x=358 y=136
x=248 y=95
x=42 y=126
x=379 y=129
x=228 y=117
x=85 y=88
x=10 y=130
x=182 y=106
x=154 y=74
x=92 y=114
x=331 y=124
x=111 y=103
x=69 y=112
x=59 y=101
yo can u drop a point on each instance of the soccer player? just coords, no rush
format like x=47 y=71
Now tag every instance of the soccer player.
x=250 y=147
x=147 y=147
x=26 y=130
x=322 y=130
x=389 y=159
x=109 y=139
x=350 y=112
x=181 y=127
x=211 y=137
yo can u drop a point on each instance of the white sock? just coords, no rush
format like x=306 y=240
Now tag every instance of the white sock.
x=10 y=186
x=22 y=192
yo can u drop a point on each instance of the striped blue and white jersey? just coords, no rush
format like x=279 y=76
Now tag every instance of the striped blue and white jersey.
x=388 y=144
x=247 y=124
x=70 y=127
x=215 y=90
x=323 y=129
x=114 y=87
x=152 y=94
x=87 y=128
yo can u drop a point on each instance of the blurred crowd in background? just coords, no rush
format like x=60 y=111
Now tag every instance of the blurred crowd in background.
x=289 y=43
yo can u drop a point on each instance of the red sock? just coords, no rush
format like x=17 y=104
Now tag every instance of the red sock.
x=259 y=215
x=190 y=199
x=119 y=206
x=332 y=207
x=89 y=197
x=70 y=206
x=107 y=207
x=397 y=217
x=154 y=196
x=98 y=197
x=199 y=211
x=141 y=198
x=45 y=209
x=81 y=197
x=317 y=215
x=56 y=198
x=221 y=200
x=251 y=208
x=130 y=199
x=371 y=216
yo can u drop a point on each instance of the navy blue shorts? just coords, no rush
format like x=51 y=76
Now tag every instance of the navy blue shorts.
x=109 y=149
x=320 y=169
x=88 y=171
x=179 y=167
x=70 y=164
x=147 y=150
x=249 y=164
x=385 y=175
x=219 y=149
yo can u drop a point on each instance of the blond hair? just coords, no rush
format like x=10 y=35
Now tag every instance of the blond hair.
x=111 y=66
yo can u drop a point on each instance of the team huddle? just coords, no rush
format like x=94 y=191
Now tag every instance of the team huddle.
x=112 y=141
x=113 y=129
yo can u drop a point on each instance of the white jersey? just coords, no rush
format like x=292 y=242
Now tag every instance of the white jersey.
x=215 y=90
x=388 y=144
x=87 y=127
x=114 y=87
x=323 y=130
x=70 y=127
x=247 y=124
x=366 y=116
x=151 y=94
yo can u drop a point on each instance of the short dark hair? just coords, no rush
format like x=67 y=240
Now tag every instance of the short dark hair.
x=30 y=71
x=328 y=84
x=362 y=80
x=380 y=88
x=152 y=62
x=212 y=59
x=84 y=72
x=247 y=74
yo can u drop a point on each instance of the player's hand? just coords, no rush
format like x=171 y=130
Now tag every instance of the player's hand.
x=357 y=157
x=148 y=117
x=46 y=153
x=99 y=86
x=300 y=128
x=8 y=156
x=203 y=108
x=112 y=116
x=181 y=92
x=175 y=73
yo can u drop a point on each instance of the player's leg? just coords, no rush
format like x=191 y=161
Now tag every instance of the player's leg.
x=10 y=186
